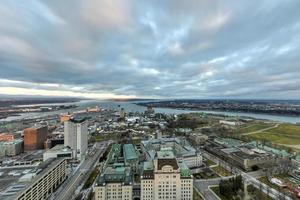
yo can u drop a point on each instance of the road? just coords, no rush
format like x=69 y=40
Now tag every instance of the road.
x=251 y=177
x=67 y=189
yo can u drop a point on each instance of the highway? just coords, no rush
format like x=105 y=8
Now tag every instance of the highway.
x=251 y=177
x=67 y=189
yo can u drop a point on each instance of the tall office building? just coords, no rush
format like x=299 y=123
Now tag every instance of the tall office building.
x=166 y=178
x=35 y=137
x=76 y=137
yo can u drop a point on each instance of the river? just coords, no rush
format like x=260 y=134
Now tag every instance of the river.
x=131 y=107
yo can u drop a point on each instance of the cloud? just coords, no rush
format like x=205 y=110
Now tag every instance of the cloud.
x=169 y=49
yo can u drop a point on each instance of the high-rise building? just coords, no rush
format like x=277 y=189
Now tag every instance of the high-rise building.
x=35 y=137
x=166 y=178
x=76 y=137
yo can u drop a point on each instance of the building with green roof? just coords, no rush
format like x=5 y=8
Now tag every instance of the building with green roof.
x=114 y=183
x=131 y=157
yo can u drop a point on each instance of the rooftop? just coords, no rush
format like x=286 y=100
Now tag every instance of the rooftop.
x=130 y=152
x=165 y=154
x=115 y=175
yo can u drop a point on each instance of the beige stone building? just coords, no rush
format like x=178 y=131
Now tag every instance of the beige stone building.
x=166 y=178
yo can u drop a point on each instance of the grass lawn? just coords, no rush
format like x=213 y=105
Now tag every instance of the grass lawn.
x=288 y=134
x=196 y=196
x=255 y=127
x=221 y=171
x=209 y=163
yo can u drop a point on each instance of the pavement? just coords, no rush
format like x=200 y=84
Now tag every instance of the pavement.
x=68 y=188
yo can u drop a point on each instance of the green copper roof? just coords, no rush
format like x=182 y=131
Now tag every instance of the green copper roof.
x=184 y=170
x=130 y=152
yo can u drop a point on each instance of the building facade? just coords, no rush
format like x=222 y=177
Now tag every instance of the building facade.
x=35 y=137
x=11 y=148
x=115 y=183
x=76 y=137
x=166 y=178
x=52 y=174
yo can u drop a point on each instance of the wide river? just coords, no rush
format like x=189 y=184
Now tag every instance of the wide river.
x=131 y=107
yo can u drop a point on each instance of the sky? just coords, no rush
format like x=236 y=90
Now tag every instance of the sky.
x=150 y=49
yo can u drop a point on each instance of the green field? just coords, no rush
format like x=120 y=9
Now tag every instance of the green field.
x=254 y=127
x=286 y=134
x=221 y=171
x=209 y=163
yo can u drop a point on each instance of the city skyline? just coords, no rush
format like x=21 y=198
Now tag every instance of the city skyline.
x=140 y=49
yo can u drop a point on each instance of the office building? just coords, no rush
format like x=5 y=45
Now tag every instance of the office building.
x=48 y=178
x=11 y=148
x=166 y=178
x=35 y=137
x=76 y=137
x=115 y=183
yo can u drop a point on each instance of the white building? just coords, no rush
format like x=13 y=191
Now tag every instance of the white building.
x=166 y=178
x=230 y=123
x=76 y=137
x=115 y=183
x=58 y=151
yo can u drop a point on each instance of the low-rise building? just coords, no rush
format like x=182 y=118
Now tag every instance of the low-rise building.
x=198 y=138
x=57 y=152
x=180 y=147
x=6 y=137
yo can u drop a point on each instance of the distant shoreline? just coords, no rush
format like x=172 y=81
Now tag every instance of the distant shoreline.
x=195 y=108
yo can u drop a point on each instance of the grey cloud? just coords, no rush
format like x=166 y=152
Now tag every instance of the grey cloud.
x=194 y=49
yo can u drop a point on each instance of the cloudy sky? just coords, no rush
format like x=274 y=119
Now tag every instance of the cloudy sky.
x=150 y=49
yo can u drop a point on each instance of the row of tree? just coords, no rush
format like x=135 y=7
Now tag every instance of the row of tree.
x=230 y=187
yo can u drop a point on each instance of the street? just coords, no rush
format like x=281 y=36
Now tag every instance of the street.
x=67 y=189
